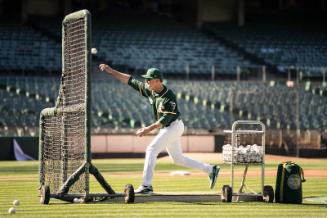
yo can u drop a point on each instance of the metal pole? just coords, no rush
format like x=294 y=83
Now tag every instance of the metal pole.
x=238 y=73
x=289 y=74
x=187 y=71
x=213 y=72
x=297 y=115
x=264 y=76
x=323 y=77
x=263 y=165
x=232 y=164
x=231 y=105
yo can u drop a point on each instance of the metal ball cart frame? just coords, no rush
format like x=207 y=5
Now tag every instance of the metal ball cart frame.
x=267 y=192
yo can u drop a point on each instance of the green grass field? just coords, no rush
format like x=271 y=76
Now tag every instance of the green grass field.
x=19 y=180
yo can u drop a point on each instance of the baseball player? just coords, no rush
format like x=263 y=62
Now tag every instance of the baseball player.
x=168 y=120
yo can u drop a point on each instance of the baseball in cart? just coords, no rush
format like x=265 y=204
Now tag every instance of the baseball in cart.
x=245 y=146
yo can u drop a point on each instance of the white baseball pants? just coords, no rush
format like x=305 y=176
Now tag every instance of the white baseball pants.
x=169 y=138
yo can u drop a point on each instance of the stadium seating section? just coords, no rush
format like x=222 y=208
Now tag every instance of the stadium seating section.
x=206 y=105
x=139 y=43
x=280 y=44
x=24 y=49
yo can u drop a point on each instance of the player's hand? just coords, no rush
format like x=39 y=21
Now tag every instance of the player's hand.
x=104 y=67
x=143 y=131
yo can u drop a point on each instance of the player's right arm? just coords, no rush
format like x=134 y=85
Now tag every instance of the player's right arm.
x=122 y=77
x=126 y=79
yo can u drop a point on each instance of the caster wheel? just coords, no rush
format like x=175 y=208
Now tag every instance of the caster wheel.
x=45 y=194
x=268 y=194
x=129 y=195
x=226 y=193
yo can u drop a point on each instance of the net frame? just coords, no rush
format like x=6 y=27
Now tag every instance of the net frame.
x=64 y=137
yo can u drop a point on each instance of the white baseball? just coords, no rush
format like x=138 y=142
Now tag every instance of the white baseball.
x=78 y=200
x=16 y=202
x=12 y=210
x=94 y=51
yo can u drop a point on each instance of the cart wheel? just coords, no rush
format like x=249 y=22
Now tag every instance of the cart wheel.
x=45 y=194
x=268 y=194
x=129 y=194
x=226 y=193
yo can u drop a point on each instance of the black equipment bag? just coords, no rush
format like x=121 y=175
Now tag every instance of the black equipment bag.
x=289 y=183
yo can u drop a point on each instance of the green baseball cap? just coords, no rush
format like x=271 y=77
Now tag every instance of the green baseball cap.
x=152 y=73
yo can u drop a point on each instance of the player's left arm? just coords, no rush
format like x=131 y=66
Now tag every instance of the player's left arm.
x=169 y=111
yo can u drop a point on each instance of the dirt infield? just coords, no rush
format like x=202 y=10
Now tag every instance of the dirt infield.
x=226 y=173
x=212 y=157
x=268 y=157
x=256 y=173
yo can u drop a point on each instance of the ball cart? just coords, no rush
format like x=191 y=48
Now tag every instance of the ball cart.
x=245 y=145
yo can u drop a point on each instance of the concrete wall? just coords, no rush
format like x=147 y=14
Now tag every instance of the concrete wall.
x=217 y=10
x=277 y=142
x=134 y=144
x=42 y=7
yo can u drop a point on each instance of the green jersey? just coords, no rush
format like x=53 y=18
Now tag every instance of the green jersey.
x=164 y=104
